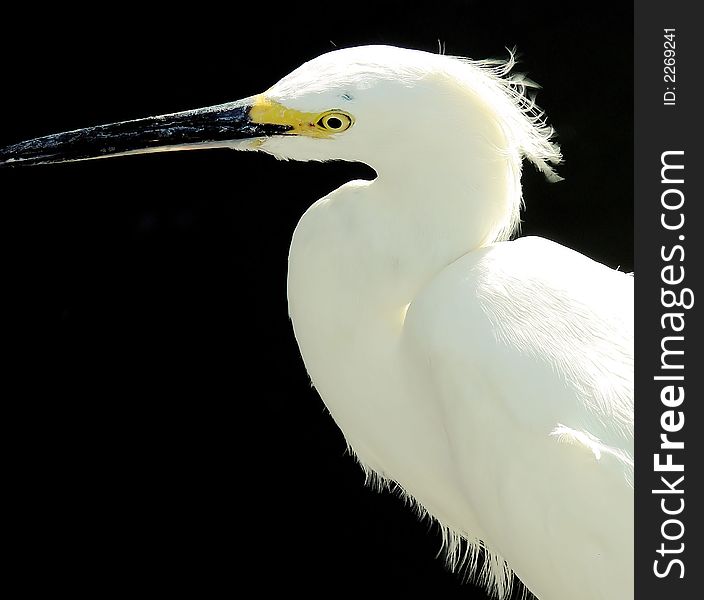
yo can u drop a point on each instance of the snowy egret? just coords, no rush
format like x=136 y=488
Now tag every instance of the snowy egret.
x=490 y=380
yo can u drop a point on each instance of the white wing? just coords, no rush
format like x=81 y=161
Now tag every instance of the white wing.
x=529 y=346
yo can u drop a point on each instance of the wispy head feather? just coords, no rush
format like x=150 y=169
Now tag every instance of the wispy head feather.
x=512 y=97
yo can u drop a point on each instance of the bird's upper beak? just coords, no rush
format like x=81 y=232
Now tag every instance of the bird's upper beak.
x=221 y=125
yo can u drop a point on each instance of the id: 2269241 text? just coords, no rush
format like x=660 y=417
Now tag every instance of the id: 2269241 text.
x=669 y=68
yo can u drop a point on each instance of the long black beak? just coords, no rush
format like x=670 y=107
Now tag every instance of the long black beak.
x=205 y=127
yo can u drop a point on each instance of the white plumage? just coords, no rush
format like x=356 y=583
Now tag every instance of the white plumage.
x=493 y=381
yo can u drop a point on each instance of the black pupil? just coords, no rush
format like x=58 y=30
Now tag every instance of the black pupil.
x=334 y=123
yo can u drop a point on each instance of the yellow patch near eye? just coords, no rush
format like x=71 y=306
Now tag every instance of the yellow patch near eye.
x=267 y=111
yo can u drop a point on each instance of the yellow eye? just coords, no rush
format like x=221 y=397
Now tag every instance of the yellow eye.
x=335 y=121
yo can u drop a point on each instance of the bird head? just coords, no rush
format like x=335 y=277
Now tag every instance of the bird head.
x=373 y=104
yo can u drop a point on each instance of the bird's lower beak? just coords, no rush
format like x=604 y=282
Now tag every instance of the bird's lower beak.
x=215 y=126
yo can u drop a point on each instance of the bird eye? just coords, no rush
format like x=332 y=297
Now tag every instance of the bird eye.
x=335 y=121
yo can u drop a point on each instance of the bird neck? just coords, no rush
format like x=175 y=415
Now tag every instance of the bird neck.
x=435 y=211
x=370 y=247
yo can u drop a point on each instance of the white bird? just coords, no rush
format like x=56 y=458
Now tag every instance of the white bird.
x=490 y=380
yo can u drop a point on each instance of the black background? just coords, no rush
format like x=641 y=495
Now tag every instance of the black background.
x=164 y=435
